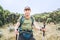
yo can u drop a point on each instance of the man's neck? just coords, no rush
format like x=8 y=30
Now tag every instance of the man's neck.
x=27 y=17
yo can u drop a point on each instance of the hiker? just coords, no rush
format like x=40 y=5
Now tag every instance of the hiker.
x=25 y=24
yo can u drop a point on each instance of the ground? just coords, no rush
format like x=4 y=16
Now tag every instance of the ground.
x=51 y=33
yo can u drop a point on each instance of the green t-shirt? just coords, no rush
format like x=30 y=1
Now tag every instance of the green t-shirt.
x=27 y=24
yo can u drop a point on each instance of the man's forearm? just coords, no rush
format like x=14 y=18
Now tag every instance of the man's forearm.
x=17 y=25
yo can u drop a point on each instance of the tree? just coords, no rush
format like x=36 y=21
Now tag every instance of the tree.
x=1 y=16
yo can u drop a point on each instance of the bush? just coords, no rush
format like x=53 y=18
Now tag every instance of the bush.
x=11 y=29
x=1 y=23
x=1 y=34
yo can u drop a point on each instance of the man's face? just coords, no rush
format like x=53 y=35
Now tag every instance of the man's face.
x=27 y=12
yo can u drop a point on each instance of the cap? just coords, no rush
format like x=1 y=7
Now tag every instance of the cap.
x=27 y=8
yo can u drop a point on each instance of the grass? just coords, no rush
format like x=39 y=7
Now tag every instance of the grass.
x=51 y=33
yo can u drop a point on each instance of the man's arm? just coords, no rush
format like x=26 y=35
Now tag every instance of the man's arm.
x=36 y=25
x=17 y=25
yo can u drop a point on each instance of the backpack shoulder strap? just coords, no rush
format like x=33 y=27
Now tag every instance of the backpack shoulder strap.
x=32 y=20
x=21 y=20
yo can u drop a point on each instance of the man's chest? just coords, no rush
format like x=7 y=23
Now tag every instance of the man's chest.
x=27 y=22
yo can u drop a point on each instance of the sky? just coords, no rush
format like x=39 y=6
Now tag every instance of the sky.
x=37 y=6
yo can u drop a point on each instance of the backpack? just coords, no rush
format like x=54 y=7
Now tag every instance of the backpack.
x=26 y=35
x=22 y=21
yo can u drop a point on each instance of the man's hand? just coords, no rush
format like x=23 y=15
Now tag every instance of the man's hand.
x=43 y=29
x=16 y=31
x=16 y=27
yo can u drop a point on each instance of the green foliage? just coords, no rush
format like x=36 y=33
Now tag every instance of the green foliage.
x=49 y=20
x=48 y=17
x=1 y=23
x=7 y=17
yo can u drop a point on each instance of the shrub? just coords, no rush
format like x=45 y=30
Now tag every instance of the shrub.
x=1 y=23
x=11 y=29
x=1 y=34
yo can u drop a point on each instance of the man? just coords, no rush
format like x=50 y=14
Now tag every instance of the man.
x=25 y=25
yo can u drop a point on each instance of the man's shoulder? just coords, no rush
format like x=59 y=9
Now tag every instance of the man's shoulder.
x=32 y=17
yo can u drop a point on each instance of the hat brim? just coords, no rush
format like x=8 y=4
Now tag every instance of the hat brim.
x=27 y=9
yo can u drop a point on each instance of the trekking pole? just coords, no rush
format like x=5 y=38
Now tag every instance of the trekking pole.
x=43 y=31
x=17 y=35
